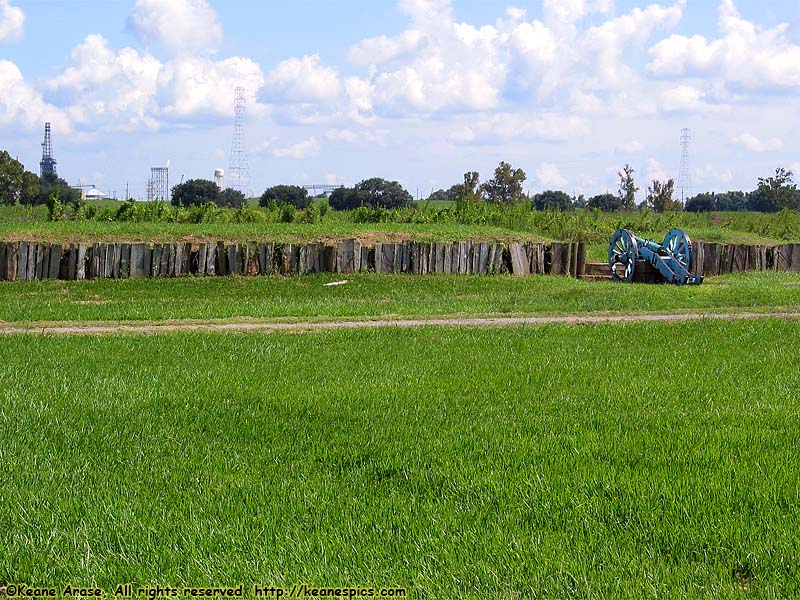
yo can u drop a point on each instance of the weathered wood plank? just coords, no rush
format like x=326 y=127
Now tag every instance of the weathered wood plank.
x=124 y=260
x=483 y=258
x=795 y=260
x=345 y=256
x=147 y=261
x=3 y=257
x=176 y=260
x=739 y=258
x=556 y=258
x=222 y=259
x=80 y=262
x=566 y=260
x=580 y=260
x=55 y=261
x=41 y=252
x=12 y=257
x=327 y=258
x=519 y=260
x=202 y=257
x=185 y=259
x=211 y=260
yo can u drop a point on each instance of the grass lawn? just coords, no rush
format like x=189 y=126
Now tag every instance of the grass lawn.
x=370 y=295
x=615 y=461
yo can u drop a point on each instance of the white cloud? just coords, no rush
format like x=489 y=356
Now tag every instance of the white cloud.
x=549 y=176
x=632 y=147
x=687 y=98
x=501 y=127
x=655 y=171
x=12 y=22
x=180 y=27
x=383 y=49
x=23 y=106
x=307 y=149
x=302 y=80
x=104 y=86
x=753 y=144
x=195 y=86
x=359 y=138
x=745 y=54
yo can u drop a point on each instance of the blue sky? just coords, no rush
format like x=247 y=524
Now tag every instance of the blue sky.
x=414 y=90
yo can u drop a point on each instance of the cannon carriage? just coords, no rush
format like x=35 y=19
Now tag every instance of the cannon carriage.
x=672 y=259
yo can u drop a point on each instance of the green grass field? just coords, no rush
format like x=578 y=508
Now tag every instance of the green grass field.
x=371 y=296
x=624 y=461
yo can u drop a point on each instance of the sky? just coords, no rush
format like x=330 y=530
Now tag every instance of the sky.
x=418 y=91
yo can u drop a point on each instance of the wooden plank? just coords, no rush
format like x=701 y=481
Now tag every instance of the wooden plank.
x=147 y=261
x=698 y=258
x=566 y=260
x=519 y=262
x=108 y=263
x=186 y=259
x=710 y=266
x=42 y=252
x=222 y=259
x=556 y=258
x=135 y=261
x=364 y=261
x=379 y=257
x=202 y=257
x=124 y=260
x=739 y=258
x=454 y=258
x=157 y=260
x=483 y=258
x=795 y=264
x=3 y=258
x=175 y=259
x=442 y=258
x=30 y=268
x=12 y=254
x=405 y=256
x=573 y=268
x=211 y=259
x=72 y=263
x=580 y=262
x=22 y=261
x=751 y=263
x=263 y=265
x=80 y=262
x=345 y=258
x=42 y=260
x=55 y=261
x=112 y=265
x=397 y=259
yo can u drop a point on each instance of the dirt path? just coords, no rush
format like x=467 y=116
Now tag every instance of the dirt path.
x=87 y=328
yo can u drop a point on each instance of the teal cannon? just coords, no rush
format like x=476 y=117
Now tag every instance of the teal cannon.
x=672 y=258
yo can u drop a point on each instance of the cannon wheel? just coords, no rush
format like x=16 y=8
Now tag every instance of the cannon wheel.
x=622 y=254
x=680 y=246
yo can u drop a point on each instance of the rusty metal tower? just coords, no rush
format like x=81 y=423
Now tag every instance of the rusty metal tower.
x=238 y=169
x=47 y=166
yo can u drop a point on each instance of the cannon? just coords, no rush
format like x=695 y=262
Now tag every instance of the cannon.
x=672 y=258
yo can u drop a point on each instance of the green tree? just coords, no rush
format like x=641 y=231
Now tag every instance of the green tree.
x=231 y=197
x=279 y=195
x=775 y=193
x=343 y=198
x=195 y=192
x=380 y=192
x=552 y=200
x=705 y=202
x=468 y=190
x=506 y=185
x=627 y=188
x=17 y=186
x=605 y=202
x=52 y=184
x=659 y=196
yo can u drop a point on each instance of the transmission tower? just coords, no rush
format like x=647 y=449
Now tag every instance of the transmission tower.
x=239 y=169
x=159 y=183
x=684 y=177
x=48 y=164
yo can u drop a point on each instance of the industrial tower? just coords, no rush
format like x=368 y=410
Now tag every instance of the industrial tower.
x=47 y=166
x=684 y=176
x=239 y=169
x=158 y=186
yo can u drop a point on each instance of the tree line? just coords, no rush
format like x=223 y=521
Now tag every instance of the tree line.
x=773 y=193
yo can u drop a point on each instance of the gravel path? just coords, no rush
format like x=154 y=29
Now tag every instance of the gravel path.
x=87 y=328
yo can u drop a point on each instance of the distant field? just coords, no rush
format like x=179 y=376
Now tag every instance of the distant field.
x=594 y=462
x=372 y=296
